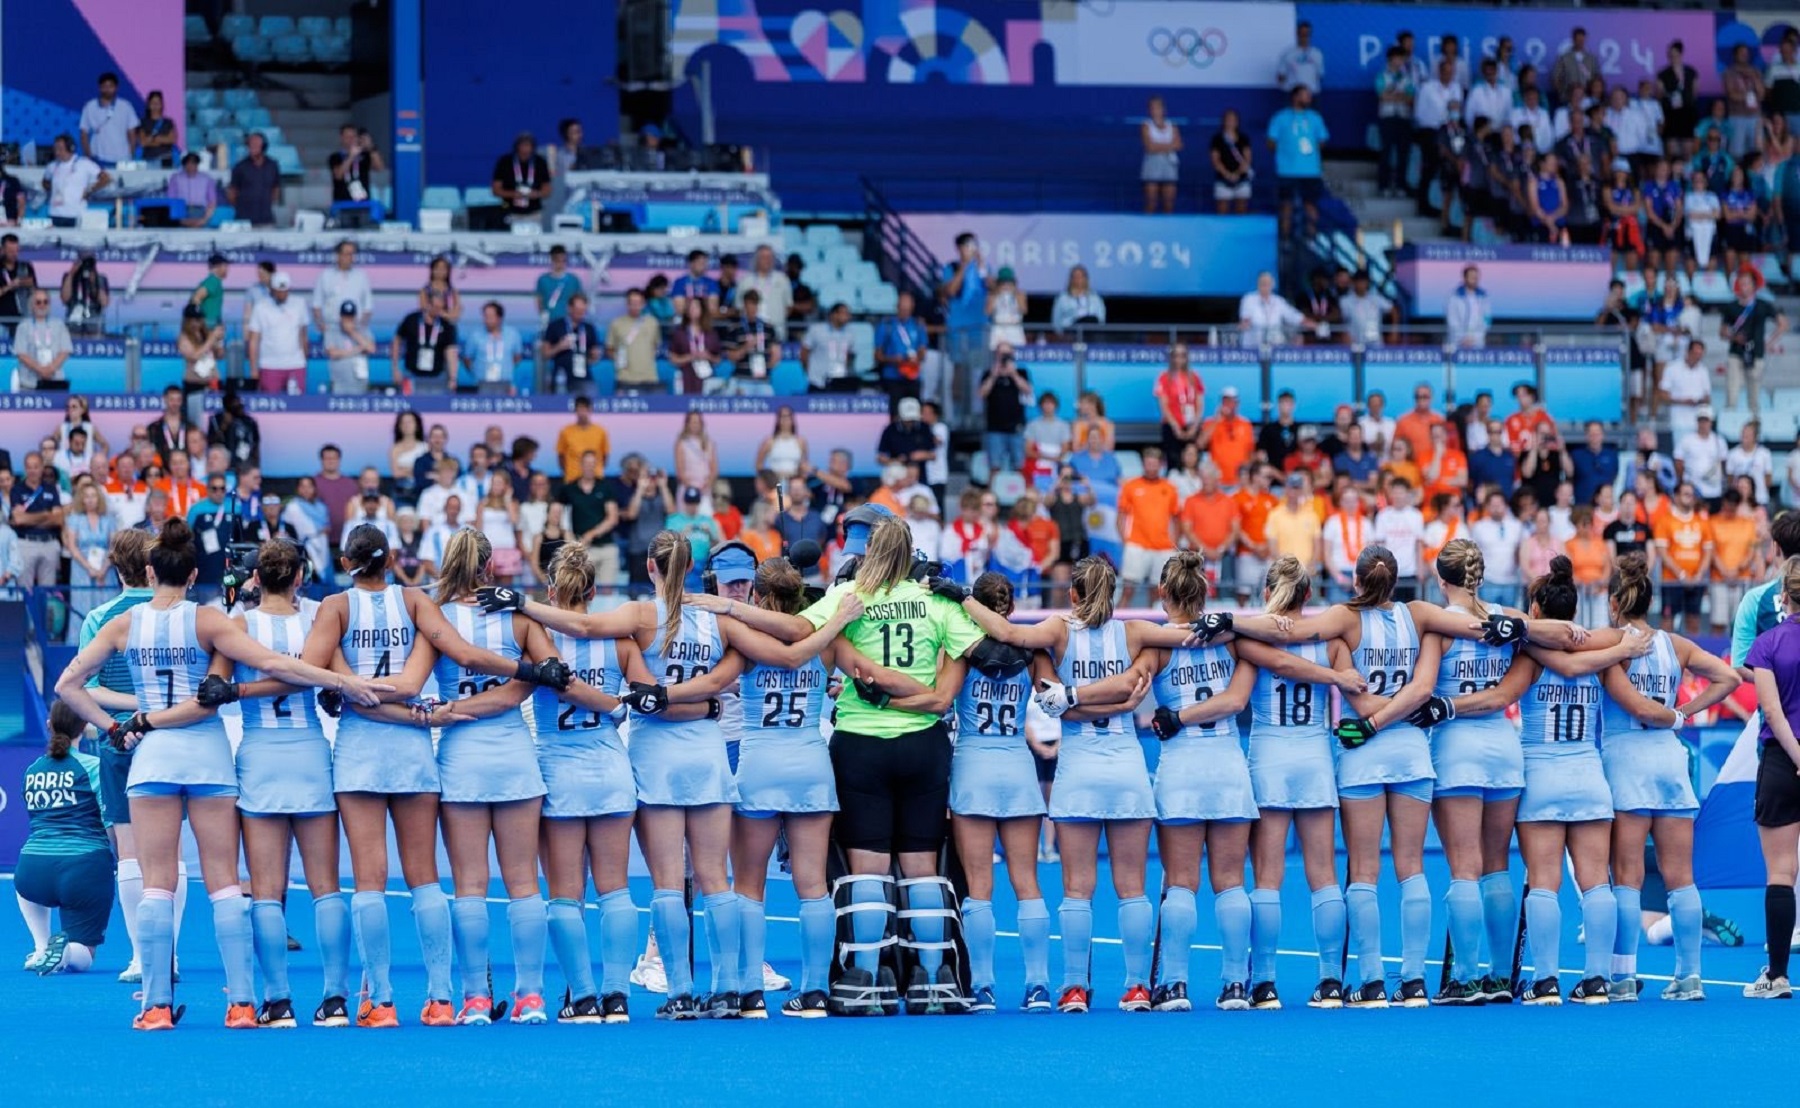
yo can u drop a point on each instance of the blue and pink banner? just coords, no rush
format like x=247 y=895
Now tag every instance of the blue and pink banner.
x=1522 y=282
x=51 y=52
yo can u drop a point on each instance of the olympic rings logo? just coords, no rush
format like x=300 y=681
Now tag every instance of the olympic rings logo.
x=1187 y=46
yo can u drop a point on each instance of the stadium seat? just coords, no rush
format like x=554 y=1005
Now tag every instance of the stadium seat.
x=222 y=215
x=251 y=49
x=230 y=136
x=788 y=378
x=862 y=342
x=479 y=196
x=313 y=25
x=237 y=24
x=792 y=238
x=341 y=25
x=273 y=25
x=288 y=158
x=824 y=234
x=205 y=119
x=1131 y=464
x=880 y=299
x=252 y=119
x=1007 y=485
x=333 y=48
x=202 y=98
x=193 y=29
x=979 y=471
x=444 y=197
x=238 y=98
x=292 y=49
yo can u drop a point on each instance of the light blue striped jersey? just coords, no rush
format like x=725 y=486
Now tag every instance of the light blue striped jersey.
x=478 y=628
x=378 y=631
x=1094 y=654
x=1470 y=665
x=284 y=635
x=1194 y=675
x=115 y=674
x=164 y=653
x=1389 y=650
x=990 y=712
x=1561 y=711
x=1656 y=675
x=595 y=661
x=787 y=702
x=62 y=800
x=695 y=650
x=1277 y=701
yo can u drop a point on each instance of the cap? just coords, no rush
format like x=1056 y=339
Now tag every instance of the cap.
x=348 y=307
x=1229 y=392
x=1620 y=165
x=651 y=130
x=1006 y=274
x=1296 y=480
x=690 y=496
x=733 y=562
x=281 y=281
x=1704 y=411
x=909 y=408
x=858 y=522
x=1308 y=433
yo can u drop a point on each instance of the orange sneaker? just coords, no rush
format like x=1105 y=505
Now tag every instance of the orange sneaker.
x=1073 y=999
x=438 y=1013
x=1136 y=999
x=529 y=1008
x=477 y=1011
x=377 y=1015
x=240 y=1017
x=159 y=1017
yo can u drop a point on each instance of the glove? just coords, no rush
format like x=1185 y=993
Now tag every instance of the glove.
x=996 y=659
x=331 y=702
x=1211 y=625
x=649 y=700
x=1353 y=731
x=1435 y=710
x=872 y=693
x=552 y=673
x=215 y=690
x=128 y=733
x=1502 y=630
x=948 y=589
x=715 y=709
x=1055 y=699
x=1166 y=722
x=499 y=598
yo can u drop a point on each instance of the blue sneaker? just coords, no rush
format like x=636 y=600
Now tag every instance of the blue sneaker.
x=984 y=999
x=1037 y=1000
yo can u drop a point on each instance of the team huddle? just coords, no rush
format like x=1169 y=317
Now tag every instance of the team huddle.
x=878 y=731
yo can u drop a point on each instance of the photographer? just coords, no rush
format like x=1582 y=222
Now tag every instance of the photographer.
x=85 y=295
x=650 y=505
x=1067 y=506
x=1005 y=394
x=215 y=524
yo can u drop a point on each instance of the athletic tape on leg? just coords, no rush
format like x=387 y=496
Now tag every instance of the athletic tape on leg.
x=867 y=908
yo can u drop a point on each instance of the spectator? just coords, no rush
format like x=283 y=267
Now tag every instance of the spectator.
x=1293 y=525
x=573 y=347
x=1468 y=316
x=800 y=522
x=1684 y=387
x=1302 y=64
x=438 y=280
x=1233 y=164
x=1783 y=99
x=1431 y=108
x=753 y=344
x=209 y=294
x=42 y=346
x=1547 y=199
x=433 y=496
x=1091 y=423
x=784 y=451
x=521 y=179
x=1005 y=394
x=1684 y=545
x=1596 y=463
x=1048 y=439
x=1298 y=135
x=1443 y=468
x=1585 y=217
x=1400 y=526
x=1280 y=436
x=696 y=455
x=168 y=435
x=348 y=346
x=1487 y=97
x=1310 y=458
x=255 y=186
x=963 y=293
x=182 y=490
x=1494 y=465
x=1161 y=168
x=1680 y=102
x=906 y=440
x=196 y=190
x=156 y=132
x=494 y=360
x=828 y=350
x=1530 y=112
x=1227 y=438
x=1181 y=400
x=1751 y=459
x=900 y=348
x=18 y=278
x=1148 y=509
x=1737 y=564
x=1499 y=536
x=593 y=516
x=1264 y=316
x=336 y=489
x=201 y=348
x=1354 y=459
x=1453 y=143
x=694 y=348
x=353 y=166
x=1702 y=208
x=1450 y=50
x=1745 y=94
x=340 y=283
x=695 y=284
x=1414 y=428
x=1629 y=532
x=370 y=510
x=310 y=520
x=1530 y=416
x=772 y=288
x=437 y=537
x=1740 y=218
x=728 y=287
x=36 y=515
x=1662 y=208
x=259 y=288
x=75 y=457
x=475 y=481
x=805 y=301
x=1209 y=523
x=1395 y=93
x=518 y=464
x=1006 y=308
x=1543 y=463
x=236 y=432
x=277 y=340
x=833 y=488
x=556 y=287
x=1574 y=69
x=125 y=491
x=1745 y=326
x=109 y=126
x=86 y=293
x=1700 y=459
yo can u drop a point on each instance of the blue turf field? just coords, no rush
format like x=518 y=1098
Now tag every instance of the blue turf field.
x=67 y=1039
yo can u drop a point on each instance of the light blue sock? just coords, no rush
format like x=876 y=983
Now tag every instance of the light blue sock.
x=1328 y=918
x=1687 y=918
x=753 y=942
x=331 y=922
x=1500 y=916
x=1628 y=930
x=1365 y=931
x=1543 y=923
x=431 y=916
x=1600 y=919
x=868 y=925
x=1034 y=940
x=1179 y=915
x=818 y=934
x=1232 y=910
x=928 y=899
x=231 y=928
x=1415 y=926
x=156 y=945
x=529 y=924
x=369 y=922
x=1464 y=904
x=618 y=941
x=1076 y=918
x=669 y=919
x=722 y=940
x=1265 y=933
x=469 y=925
x=978 y=931
x=268 y=927
x=568 y=937
x=1137 y=931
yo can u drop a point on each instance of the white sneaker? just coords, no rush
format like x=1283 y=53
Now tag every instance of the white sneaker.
x=773 y=982
x=1684 y=988
x=649 y=974
x=34 y=959
x=133 y=974
x=1768 y=988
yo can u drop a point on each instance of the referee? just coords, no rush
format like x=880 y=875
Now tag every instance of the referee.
x=1774 y=659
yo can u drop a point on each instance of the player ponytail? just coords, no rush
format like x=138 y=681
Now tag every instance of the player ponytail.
x=888 y=559
x=571 y=577
x=130 y=553
x=172 y=555
x=1376 y=572
x=1460 y=565
x=1091 y=591
x=779 y=586
x=1554 y=593
x=366 y=553
x=1184 y=584
x=1630 y=587
x=1286 y=587
x=465 y=565
x=672 y=557
x=993 y=592
x=278 y=566
x=1790 y=580
x=65 y=730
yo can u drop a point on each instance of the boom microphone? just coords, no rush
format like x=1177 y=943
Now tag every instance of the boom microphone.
x=805 y=554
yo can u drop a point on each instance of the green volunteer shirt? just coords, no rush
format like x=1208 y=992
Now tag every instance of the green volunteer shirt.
x=213 y=303
x=903 y=628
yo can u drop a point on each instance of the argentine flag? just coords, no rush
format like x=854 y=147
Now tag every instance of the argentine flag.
x=1727 y=852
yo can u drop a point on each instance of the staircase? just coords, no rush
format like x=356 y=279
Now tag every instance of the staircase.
x=1354 y=181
